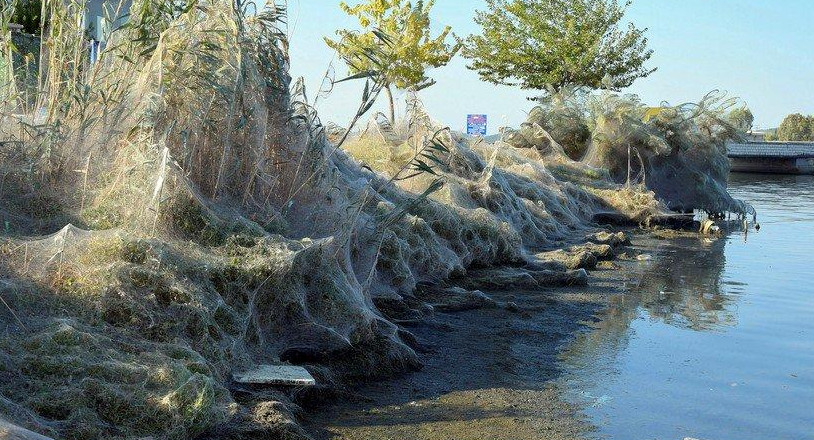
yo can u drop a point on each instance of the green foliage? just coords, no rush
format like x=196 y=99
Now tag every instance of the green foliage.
x=408 y=49
x=553 y=44
x=796 y=128
x=741 y=118
x=27 y=13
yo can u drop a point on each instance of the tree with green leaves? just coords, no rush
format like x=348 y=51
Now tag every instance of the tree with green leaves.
x=796 y=128
x=27 y=13
x=398 y=32
x=741 y=118
x=549 y=45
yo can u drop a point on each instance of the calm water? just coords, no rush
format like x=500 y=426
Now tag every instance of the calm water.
x=717 y=340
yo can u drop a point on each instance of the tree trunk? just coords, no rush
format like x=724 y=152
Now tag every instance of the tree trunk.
x=392 y=105
x=628 y=166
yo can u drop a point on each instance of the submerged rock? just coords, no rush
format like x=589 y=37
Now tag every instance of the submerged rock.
x=607 y=265
x=600 y=251
x=456 y=299
x=577 y=277
x=540 y=264
x=580 y=259
x=610 y=238
x=515 y=278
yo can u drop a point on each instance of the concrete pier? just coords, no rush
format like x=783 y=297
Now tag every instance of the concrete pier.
x=772 y=157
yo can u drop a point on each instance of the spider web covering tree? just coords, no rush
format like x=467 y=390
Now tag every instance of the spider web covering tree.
x=408 y=50
x=554 y=44
x=741 y=118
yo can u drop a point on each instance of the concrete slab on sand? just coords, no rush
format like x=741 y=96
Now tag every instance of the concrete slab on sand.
x=14 y=432
x=287 y=375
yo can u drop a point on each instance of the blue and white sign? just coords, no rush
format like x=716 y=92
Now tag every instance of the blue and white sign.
x=476 y=125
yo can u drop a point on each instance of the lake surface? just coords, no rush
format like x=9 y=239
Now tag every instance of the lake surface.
x=716 y=340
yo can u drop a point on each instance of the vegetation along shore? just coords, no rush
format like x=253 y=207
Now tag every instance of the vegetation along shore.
x=175 y=211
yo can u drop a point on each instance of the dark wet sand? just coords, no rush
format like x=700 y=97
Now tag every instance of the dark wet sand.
x=488 y=373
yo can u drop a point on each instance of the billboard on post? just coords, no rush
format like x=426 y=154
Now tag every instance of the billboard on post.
x=476 y=125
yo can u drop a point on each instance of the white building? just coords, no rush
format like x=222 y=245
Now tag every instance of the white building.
x=102 y=16
x=756 y=136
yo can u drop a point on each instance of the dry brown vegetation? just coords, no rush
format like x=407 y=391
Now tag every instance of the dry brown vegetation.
x=174 y=212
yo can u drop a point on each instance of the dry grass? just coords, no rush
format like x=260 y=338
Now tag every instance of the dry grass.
x=215 y=227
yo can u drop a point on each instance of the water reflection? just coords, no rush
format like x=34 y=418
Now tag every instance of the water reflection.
x=714 y=339
x=696 y=298
x=681 y=285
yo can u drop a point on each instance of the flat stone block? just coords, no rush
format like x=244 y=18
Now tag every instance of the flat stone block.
x=286 y=375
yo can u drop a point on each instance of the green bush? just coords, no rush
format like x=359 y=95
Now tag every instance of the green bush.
x=796 y=128
x=28 y=14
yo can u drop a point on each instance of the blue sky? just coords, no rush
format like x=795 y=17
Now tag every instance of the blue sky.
x=759 y=50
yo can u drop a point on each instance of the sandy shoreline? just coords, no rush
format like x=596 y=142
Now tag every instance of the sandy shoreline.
x=489 y=373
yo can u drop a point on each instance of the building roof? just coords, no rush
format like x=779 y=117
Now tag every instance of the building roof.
x=772 y=149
